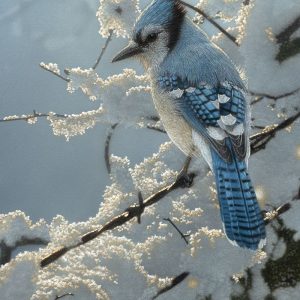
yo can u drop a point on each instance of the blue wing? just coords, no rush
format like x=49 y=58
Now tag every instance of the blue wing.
x=205 y=107
x=219 y=115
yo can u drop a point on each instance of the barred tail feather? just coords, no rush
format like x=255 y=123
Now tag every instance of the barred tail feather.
x=240 y=211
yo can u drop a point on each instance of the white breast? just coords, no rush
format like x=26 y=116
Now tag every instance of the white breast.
x=179 y=131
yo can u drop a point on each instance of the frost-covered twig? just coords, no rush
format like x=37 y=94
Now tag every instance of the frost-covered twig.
x=34 y=115
x=134 y=211
x=103 y=49
x=211 y=20
x=6 y=251
x=184 y=236
x=260 y=96
x=261 y=139
x=175 y=281
x=106 y=148
x=53 y=71
x=271 y=215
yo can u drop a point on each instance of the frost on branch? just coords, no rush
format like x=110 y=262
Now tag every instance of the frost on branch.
x=124 y=98
x=72 y=125
x=117 y=15
x=87 y=80
x=15 y=226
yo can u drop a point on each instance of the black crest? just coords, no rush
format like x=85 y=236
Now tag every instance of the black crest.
x=174 y=26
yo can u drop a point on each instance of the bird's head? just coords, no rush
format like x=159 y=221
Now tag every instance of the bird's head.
x=155 y=32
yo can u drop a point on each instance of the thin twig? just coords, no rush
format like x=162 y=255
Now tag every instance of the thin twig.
x=103 y=49
x=261 y=139
x=31 y=116
x=184 y=236
x=269 y=216
x=6 y=251
x=285 y=35
x=265 y=95
x=175 y=281
x=156 y=129
x=211 y=20
x=64 y=295
x=54 y=73
x=182 y=180
x=107 y=146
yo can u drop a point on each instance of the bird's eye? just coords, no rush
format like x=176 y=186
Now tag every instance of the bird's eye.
x=151 y=37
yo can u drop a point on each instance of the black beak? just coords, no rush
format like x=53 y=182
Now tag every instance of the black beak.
x=130 y=50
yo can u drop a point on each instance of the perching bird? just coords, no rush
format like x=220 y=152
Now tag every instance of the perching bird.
x=200 y=98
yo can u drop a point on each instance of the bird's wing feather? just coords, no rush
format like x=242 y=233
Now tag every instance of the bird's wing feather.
x=214 y=112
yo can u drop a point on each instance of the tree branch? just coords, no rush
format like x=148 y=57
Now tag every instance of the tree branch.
x=269 y=216
x=182 y=180
x=107 y=146
x=261 y=139
x=184 y=236
x=175 y=281
x=264 y=95
x=64 y=295
x=31 y=116
x=211 y=20
x=6 y=251
x=55 y=73
x=103 y=49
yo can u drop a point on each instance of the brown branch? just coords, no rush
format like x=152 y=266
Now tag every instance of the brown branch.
x=156 y=129
x=265 y=95
x=54 y=73
x=261 y=139
x=64 y=295
x=107 y=146
x=31 y=116
x=6 y=251
x=134 y=211
x=288 y=46
x=184 y=236
x=103 y=49
x=285 y=34
x=175 y=281
x=271 y=215
x=211 y=20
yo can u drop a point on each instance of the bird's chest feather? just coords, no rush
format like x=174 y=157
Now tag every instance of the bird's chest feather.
x=177 y=128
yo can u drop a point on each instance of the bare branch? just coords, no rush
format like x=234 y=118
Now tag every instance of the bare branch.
x=103 y=49
x=288 y=46
x=265 y=95
x=184 y=236
x=261 y=139
x=175 y=281
x=211 y=20
x=286 y=33
x=6 y=251
x=182 y=181
x=156 y=129
x=64 y=295
x=107 y=146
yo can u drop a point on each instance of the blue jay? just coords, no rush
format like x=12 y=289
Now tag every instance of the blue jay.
x=200 y=98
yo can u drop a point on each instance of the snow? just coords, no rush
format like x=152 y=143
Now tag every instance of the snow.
x=135 y=261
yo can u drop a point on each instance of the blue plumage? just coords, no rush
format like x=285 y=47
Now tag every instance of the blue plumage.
x=240 y=211
x=199 y=96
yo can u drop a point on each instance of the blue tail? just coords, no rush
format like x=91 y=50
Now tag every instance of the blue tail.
x=240 y=211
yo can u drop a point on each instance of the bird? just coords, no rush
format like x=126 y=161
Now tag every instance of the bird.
x=202 y=102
